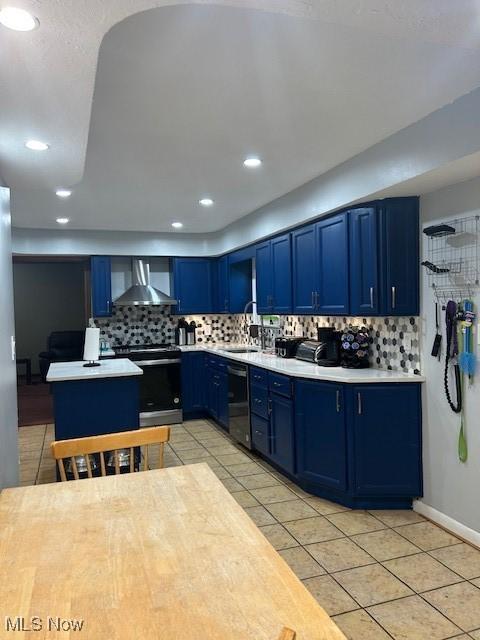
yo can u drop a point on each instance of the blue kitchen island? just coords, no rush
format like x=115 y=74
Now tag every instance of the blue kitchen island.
x=91 y=401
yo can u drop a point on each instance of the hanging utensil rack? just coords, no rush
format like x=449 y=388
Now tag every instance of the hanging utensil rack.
x=458 y=253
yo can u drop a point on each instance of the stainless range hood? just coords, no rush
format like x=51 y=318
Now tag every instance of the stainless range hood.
x=141 y=293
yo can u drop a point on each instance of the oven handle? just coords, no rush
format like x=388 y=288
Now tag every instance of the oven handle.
x=151 y=363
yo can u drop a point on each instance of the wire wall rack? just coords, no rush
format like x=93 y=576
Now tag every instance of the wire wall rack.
x=452 y=260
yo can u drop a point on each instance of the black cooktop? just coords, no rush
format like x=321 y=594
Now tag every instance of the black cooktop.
x=153 y=351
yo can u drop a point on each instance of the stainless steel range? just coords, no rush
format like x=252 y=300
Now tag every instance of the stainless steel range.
x=160 y=385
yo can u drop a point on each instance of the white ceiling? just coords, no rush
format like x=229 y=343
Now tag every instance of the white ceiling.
x=183 y=93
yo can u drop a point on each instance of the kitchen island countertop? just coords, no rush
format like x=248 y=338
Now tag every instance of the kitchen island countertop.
x=300 y=369
x=115 y=368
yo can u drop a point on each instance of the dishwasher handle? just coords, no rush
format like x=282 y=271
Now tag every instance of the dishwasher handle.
x=241 y=372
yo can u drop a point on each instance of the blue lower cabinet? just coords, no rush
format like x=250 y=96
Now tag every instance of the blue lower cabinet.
x=193 y=382
x=321 y=434
x=260 y=436
x=282 y=441
x=222 y=390
x=94 y=407
x=385 y=440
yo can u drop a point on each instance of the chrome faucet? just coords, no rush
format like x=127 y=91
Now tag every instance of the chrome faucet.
x=251 y=303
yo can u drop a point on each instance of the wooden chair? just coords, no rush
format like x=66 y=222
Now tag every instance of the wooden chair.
x=287 y=634
x=112 y=442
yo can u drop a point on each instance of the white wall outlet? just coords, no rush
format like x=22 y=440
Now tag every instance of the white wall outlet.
x=299 y=331
x=207 y=329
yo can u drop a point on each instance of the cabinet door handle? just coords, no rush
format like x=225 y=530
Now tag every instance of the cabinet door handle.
x=394 y=297
x=277 y=384
x=317 y=300
x=269 y=407
x=313 y=299
x=359 y=403
x=371 y=297
x=338 y=401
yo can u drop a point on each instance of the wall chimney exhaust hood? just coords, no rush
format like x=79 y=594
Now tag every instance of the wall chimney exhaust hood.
x=141 y=293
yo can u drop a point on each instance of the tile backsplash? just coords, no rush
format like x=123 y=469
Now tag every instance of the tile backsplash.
x=395 y=342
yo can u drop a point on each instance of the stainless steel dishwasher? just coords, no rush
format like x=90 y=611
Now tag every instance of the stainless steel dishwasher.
x=238 y=404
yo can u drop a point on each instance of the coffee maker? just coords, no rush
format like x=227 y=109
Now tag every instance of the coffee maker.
x=329 y=352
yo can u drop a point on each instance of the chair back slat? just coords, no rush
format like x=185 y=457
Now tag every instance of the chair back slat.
x=89 y=466
x=75 y=468
x=145 y=459
x=92 y=447
x=103 y=469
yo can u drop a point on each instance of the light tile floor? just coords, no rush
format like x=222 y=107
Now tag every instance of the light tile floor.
x=379 y=574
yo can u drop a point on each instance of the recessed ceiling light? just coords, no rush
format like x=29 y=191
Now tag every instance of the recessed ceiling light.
x=63 y=193
x=63 y=220
x=206 y=202
x=252 y=162
x=36 y=145
x=177 y=225
x=18 y=19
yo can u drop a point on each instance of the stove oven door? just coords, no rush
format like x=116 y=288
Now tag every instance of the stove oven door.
x=160 y=392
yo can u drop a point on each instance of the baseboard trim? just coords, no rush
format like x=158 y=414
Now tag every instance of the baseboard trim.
x=448 y=523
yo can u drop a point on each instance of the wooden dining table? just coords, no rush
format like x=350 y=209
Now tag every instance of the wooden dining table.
x=165 y=554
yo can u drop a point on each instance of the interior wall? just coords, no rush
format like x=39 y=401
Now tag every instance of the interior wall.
x=48 y=297
x=8 y=382
x=451 y=487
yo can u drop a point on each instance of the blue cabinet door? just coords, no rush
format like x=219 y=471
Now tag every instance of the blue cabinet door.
x=260 y=431
x=304 y=269
x=193 y=382
x=282 y=442
x=321 y=434
x=364 y=285
x=386 y=439
x=193 y=285
x=281 y=279
x=213 y=382
x=263 y=275
x=222 y=390
x=332 y=291
x=101 y=285
x=223 y=288
x=240 y=285
x=400 y=256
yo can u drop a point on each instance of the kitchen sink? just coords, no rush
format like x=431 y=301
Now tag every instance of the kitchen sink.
x=240 y=350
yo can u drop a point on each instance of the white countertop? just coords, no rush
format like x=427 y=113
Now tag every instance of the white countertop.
x=117 y=368
x=301 y=369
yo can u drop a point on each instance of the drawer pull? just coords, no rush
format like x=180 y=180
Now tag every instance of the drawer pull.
x=338 y=402
x=359 y=401
x=277 y=384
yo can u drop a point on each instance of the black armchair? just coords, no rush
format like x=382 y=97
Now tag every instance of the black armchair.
x=62 y=346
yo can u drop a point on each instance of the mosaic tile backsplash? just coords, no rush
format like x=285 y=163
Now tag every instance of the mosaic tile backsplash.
x=395 y=342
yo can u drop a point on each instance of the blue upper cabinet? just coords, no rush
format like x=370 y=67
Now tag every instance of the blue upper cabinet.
x=399 y=237
x=222 y=291
x=193 y=285
x=321 y=433
x=332 y=270
x=281 y=260
x=385 y=437
x=320 y=267
x=240 y=285
x=384 y=258
x=274 y=275
x=263 y=275
x=364 y=285
x=304 y=268
x=101 y=285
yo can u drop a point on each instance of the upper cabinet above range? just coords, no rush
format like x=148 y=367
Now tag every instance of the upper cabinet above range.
x=101 y=286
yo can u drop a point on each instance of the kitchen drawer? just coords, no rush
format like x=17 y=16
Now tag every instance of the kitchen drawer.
x=280 y=384
x=259 y=401
x=258 y=377
x=260 y=434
